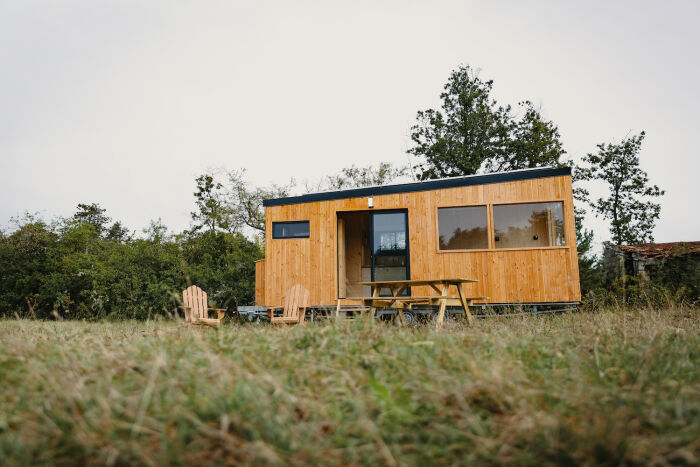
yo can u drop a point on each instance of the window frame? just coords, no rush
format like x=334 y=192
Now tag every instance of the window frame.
x=492 y=230
x=275 y=237
x=488 y=227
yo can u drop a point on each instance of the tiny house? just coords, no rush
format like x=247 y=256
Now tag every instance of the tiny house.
x=512 y=231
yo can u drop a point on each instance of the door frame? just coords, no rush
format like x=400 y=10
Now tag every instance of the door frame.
x=371 y=241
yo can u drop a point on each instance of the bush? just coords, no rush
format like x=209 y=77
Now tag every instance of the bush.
x=81 y=270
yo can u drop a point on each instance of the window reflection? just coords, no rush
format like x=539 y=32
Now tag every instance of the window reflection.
x=389 y=249
x=529 y=225
x=463 y=228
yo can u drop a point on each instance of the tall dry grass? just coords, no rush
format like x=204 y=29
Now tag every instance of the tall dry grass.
x=609 y=387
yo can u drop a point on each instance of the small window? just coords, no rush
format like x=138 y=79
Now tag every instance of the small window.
x=529 y=225
x=296 y=229
x=463 y=228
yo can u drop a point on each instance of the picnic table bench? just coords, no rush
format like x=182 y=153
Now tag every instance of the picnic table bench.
x=398 y=301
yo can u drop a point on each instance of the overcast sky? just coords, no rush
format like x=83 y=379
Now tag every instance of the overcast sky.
x=125 y=103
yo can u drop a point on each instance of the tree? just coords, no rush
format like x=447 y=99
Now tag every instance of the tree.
x=223 y=264
x=632 y=215
x=212 y=212
x=246 y=203
x=356 y=177
x=92 y=214
x=533 y=142
x=27 y=261
x=157 y=232
x=473 y=134
x=243 y=203
x=67 y=270
x=118 y=233
x=85 y=229
x=589 y=268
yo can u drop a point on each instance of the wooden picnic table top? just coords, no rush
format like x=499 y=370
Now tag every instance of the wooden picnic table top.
x=377 y=301
x=405 y=298
x=419 y=282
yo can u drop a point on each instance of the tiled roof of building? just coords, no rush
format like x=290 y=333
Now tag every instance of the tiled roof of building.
x=657 y=250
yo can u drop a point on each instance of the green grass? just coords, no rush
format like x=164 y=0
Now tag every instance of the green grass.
x=608 y=387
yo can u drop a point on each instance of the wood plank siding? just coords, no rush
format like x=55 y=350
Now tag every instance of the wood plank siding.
x=517 y=275
x=260 y=276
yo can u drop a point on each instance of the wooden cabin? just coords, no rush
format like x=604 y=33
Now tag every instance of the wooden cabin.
x=512 y=231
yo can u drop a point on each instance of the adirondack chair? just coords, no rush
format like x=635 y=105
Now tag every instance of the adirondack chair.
x=194 y=301
x=295 y=304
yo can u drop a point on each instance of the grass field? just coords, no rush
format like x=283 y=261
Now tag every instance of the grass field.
x=607 y=387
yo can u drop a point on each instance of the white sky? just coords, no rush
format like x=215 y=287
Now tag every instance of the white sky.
x=125 y=103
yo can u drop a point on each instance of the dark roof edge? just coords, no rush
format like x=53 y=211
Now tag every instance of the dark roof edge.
x=439 y=184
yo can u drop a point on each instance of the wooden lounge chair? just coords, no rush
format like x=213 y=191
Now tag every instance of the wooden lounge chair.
x=295 y=304
x=194 y=301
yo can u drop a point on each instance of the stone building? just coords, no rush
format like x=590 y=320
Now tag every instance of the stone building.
x=646 y=260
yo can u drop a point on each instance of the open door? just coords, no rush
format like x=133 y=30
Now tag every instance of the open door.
x=371 y=246
x=354 y=254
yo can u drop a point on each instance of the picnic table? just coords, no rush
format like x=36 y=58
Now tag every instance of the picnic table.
x=398 y=301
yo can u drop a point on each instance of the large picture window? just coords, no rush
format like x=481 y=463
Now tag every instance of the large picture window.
x=463 y=228
x=294 y=229
x=529 y=225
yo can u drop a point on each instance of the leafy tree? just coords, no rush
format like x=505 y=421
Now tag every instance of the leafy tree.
x=157 y=232
x=470 y=129
x=68 y=270
x=473 y=133
x=118 y=233
x=140 y=278
x=27 y=260
x=246 y=202
x=80 y=237
x=532 y=142
x=92 y=214
x=589 y=267
x=632 y=215
x=212 y=212
x=223 y=264
x=355 y=177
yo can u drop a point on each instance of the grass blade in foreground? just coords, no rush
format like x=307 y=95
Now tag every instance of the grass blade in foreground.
x=607 y=387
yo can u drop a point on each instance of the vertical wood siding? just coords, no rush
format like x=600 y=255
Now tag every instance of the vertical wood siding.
x=547 y=274
x=260 y=276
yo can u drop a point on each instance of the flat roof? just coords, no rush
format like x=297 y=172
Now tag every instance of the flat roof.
x=427 y=185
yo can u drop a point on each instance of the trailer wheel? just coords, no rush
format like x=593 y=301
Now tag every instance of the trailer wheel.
x=448 y=316
x=410 y=317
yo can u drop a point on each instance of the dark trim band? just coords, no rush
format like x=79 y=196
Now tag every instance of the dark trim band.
x=469 y=180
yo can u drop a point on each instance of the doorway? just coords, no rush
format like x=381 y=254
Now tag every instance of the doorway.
x=372 y=246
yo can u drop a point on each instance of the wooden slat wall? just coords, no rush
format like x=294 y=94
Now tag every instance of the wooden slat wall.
x=260 y=276
x=506 y=276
